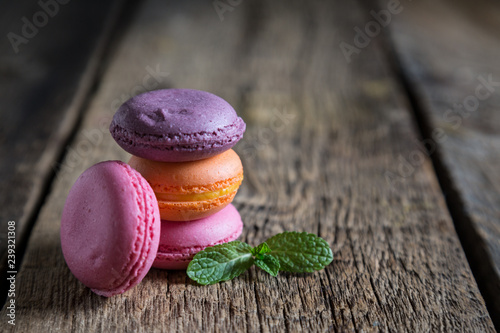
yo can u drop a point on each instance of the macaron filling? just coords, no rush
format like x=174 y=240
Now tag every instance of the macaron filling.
x=203 y=196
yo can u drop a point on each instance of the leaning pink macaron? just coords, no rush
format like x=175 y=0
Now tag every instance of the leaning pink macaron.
x=180 y=241
x=110 y=228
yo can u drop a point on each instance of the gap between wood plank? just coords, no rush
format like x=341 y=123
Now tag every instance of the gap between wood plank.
x=467 y=234
x=121 y=15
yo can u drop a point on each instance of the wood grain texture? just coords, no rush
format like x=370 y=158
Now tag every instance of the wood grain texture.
x=449 y=52
x=321 y=136
x=42 y=88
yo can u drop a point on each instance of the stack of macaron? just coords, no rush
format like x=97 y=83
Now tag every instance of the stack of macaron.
x=170 y=201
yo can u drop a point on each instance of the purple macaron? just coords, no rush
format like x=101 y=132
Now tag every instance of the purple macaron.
x=176 y=125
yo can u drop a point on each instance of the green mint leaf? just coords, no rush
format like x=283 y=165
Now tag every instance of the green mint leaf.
x=220 y=262
x=300 y=252
x=268 y=263
x=261 y=249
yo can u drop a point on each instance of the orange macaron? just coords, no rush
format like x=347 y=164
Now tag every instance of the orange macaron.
x=192 y=190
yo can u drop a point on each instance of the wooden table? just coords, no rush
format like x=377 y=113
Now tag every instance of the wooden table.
x=373 y=125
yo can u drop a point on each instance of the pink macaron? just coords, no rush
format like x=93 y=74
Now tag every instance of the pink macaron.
x=180 y=241
x=110 y=228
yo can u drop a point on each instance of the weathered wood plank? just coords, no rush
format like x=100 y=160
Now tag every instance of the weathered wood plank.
x=47 y=68
x=321 y=135
x=449 y=52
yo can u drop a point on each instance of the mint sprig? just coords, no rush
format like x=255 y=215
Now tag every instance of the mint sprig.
x=298 y=252
x=261 y=249
x=220 y=262
x=268 y=263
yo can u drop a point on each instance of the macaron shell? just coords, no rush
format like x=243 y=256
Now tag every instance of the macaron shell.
x=110 y=228
x=176 y=125
x=212 y=174
x=180 y=241
x=174 y=111
x=193 y=210
x=170 y=176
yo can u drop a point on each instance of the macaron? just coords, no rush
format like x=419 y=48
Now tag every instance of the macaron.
x=176 y=125
x=110 y=228
x=192 y=190
x=180 y=241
